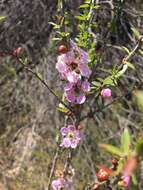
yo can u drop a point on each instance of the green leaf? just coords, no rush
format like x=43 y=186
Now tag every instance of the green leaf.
x=122 y=71
x=135 y=32
x=81 y=17
x=139 y=99
x=84 y=6
x=56 y=39
x=109 y=81
x=112 y=149
x=125 y=141
x=95 y=83
x=99 y=79
x=56 y=26
x=130 y=65
x=63 y=34
x=52 y=23
x=126 y=49
x=2 y=18
x=134 y=179
x=95 y=6
x=141 y=52
x=87 y=1
x=24 y=60
x=139 y=147
x=62 y=108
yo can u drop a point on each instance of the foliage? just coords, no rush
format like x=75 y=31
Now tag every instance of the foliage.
x=97 y=93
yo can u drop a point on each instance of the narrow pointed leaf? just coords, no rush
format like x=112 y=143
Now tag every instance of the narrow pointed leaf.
x=139 y=147
x=84 y=6
x=134 y=179
x=125 y=141
x=2 y=18
x=139 y=99
x=112 y=149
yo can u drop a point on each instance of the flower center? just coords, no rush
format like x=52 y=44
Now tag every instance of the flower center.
x=76 y=90
x=70 y=135
x=73 y=66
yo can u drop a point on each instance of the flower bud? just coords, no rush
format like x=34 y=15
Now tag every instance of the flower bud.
x=106 y=93
x=104 y=173
x=62 y=49
x=17 y=51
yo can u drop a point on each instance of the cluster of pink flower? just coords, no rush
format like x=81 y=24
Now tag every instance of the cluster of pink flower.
x=71 y=138
x=73 y=68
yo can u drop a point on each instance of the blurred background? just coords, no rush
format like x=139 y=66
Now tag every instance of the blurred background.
x=29 y=119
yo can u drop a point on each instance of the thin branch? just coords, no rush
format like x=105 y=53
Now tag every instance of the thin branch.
x=67 y=164
x=46 y=85
x=53 y=167
x=132 y=53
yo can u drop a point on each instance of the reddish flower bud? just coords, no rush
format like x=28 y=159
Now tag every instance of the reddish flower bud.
x=62 y=49
x=103 y=174
x=17 y=51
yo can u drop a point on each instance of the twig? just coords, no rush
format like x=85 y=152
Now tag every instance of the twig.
x=67 y=164
x=132 y=53
x=45 y=84
x=53 y=167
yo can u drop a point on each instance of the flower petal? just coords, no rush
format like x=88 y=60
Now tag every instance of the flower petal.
x=72 y=77
x=80 y=99
x=68 y=87
x=85 y=86
x=71 y=128
x=56 y=184
x=61 y=67
x=74 y=143
x=85 y=71
x=70 y=97
x=84 y=56
x=64 y=131
x=66 y=143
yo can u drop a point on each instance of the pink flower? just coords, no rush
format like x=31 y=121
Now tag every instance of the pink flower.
x=74 y=61
x=75 y=93
x=126 y=181
x=58 y=184
x=106 y=93
x=71 y=137
x=62 y=183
